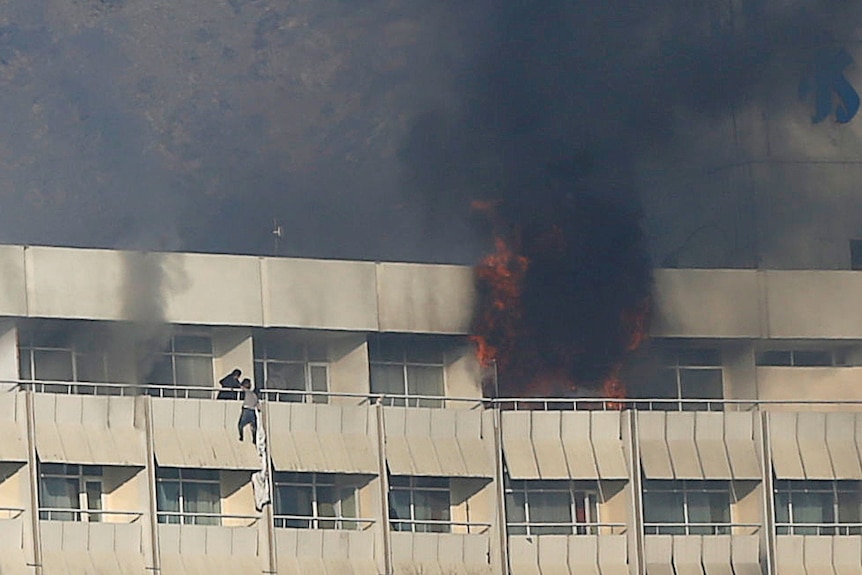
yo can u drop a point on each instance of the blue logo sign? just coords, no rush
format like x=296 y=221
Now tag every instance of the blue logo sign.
x=832 y=92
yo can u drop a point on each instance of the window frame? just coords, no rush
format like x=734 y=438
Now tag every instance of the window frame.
x=412 y=486
x=184 y=478
x=170 y=353
x=405 y=398
x=833 y=488
x=670 y=360
x=315 y=482
x=263 y=362
x=28 y=348
x=686 y=488
x=575 y=492
x=83 y=477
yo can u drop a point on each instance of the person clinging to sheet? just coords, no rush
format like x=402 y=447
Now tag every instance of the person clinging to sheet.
x=250 y=405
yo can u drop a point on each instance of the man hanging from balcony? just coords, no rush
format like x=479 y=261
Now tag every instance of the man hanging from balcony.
x=250 y=405
x=230 y=385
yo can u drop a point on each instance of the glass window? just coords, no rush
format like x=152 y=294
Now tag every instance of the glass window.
x=404 y=368
x=818 y=507
x=315 y=500
x=686 y=507
x=419 y=504
x=551 y=507
x=286 y=366
x=47 y=352
x=187 y=361
x=188 y=496
x=686 y=373
x=65 y=491
x=802 y=358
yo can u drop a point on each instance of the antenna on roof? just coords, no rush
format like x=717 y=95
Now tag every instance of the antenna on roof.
x=278 y=233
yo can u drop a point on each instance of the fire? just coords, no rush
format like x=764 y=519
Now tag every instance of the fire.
x=540 y=313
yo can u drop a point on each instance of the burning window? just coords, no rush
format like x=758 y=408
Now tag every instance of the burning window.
x=408 y=370
x=542 y=507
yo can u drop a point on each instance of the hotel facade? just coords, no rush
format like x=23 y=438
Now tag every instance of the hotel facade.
x=740 y=452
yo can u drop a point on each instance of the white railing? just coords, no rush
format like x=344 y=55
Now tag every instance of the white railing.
x=437 y=526
x=818 y=528
x=189 y=518
x=701 y=528
x=503 y=404
x=565 y=528
x=321 y=522
x=91 y=515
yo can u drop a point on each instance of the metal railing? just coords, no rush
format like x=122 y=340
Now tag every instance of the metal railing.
x=188 y=518
x=322 y=522
x=818 y=528
x=437 y=526
x=503 y=404
x=701 y=528
x=563 y=528
x=90 y=515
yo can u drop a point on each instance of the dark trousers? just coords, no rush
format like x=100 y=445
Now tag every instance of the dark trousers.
x=248 y=417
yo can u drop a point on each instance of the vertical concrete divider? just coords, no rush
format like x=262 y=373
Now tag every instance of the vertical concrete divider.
x=34 y=481
x=268 y=512
x=152 y=510
x=384 y=489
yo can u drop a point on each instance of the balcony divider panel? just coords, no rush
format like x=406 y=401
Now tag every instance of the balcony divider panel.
x=741 y=444
x=818 y=555
x=745 y=554
x=445 y=438
x=613 y=555
x=786 y=457
x=524 y=555
x=545 y=434
x=688 y=554
x=474 y=432
x=606 y=434
x=584 y=554
x=553 y=554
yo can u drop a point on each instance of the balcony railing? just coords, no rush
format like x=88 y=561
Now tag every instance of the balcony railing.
x=437 y=526
x=321 y=522
x=561 y=528
x=88 y=515
x=187 y=518
x=818 y=528
x=503 y=404
x=701 y=528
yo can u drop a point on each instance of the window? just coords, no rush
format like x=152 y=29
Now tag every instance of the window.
x=551 y=507
x=802 y=358
x=188 y=496
x=818 y=507
x=686 y=374
x=686 y=507
x=419 y=504
x=856 y=254
x=315 y=500
x=187 y=361
x=403 y=367
x=47 y=353
x=280 y=364
x=65 y=489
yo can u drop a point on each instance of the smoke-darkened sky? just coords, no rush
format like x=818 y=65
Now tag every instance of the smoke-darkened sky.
x=366 y=126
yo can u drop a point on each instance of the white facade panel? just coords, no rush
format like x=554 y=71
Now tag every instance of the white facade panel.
x=658 y=554
x=474 y=431
x=711 y=448
x=811 y=435
x=319 y=294
x=553 y=555
x=808 y=304
x=524 y=555
x=681 y=445
x=423 y=452
x=398 y=456
x=606 y=435
x=688 y=554
x=444 y=435
x=740 y=439
x=716 y=555
x=745 y=554
x=425 y=298
x=818 y=555
x=545 y=434
x=13 y=294
x=577 y=444
x=13 y=427
x=847 y=555
x=613 y=555
x=654 y=452
x=584 y=555
x=841 y=443
x=786 y=458
x=518 y=445
x=790 y=554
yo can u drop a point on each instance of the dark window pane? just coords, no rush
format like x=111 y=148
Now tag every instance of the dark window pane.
x=700 y=357
x=701 y=383
x=774 y=358
x=53 y=365
x=387 y=379
x=812 y=358
x=193 y=344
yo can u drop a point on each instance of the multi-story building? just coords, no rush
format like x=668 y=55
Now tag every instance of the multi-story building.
x=740 y=451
